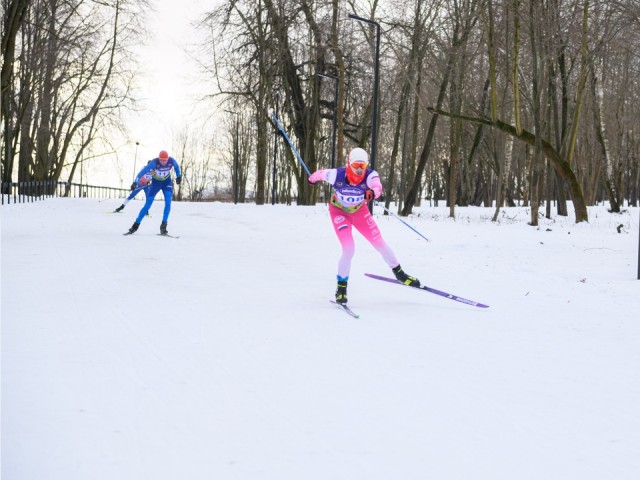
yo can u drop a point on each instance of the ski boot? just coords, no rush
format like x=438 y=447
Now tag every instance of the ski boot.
x=119 y=209
x=163 y=228
x=134 y=227
x=341 y=292
x=404 y=278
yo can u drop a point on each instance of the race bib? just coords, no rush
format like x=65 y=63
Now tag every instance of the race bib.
x=350 y=199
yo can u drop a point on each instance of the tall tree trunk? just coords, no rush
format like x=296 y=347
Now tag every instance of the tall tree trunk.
x=414 y=53
x=573 y=134
x=516 y=65
x=599 y=125
x=13 y=18
x=477 y=139
x=341 y=73
x=43 y=136
x=455 y=137
x=537 y=165
x=303 y=110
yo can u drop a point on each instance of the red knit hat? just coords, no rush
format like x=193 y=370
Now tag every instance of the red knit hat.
x=163 y=155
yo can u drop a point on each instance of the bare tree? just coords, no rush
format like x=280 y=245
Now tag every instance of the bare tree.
x=13 y=18
x=463 y=19
x=517 y=92
x=73 y=78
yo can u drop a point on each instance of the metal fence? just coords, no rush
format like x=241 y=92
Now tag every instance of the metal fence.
x=25 y=192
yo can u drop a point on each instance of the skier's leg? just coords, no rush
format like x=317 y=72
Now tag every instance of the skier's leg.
x=364 y=222
x=342 y=226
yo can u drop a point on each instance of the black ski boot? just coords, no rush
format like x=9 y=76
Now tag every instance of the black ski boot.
x=163 y=228
x=341 y=292
x=134 y=227
x=119 y=209
x=404 y=278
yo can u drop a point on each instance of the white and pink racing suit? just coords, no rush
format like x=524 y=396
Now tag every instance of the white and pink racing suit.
x=348 y=209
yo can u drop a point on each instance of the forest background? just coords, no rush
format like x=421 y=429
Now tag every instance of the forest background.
x=471 y=102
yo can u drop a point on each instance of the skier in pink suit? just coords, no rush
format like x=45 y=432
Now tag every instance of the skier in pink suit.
x=353 y=187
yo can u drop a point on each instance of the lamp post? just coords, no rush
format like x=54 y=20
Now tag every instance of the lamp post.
x=81 y=157
x=275 y=147
x=376 y=85
x=236 y=154
x=135 y=160
x=335 y=115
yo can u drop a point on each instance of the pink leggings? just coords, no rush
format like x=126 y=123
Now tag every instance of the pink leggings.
x=362 y=220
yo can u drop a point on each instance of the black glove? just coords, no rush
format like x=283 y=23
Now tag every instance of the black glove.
x=134 y=185
x=178 y=180
x=369 y=195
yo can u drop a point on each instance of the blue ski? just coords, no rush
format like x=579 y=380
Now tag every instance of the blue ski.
x=431 y=290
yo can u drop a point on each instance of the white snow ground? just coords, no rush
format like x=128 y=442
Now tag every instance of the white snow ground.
x=218 y=355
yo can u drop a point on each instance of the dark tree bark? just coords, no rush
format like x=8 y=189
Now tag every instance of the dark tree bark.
x=13 y=19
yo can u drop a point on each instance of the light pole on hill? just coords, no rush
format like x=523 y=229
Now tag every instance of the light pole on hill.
x=81 y=158
x=335 y=115
x=376 y=86
x=135 y=160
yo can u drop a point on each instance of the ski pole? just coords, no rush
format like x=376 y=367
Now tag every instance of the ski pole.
x=394 y=215
x=281 y=128
x=272 y=115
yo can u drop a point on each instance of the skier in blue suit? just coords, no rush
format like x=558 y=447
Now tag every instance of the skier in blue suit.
x=160 y=169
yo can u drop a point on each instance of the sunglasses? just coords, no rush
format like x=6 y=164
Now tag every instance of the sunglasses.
x=359 y=165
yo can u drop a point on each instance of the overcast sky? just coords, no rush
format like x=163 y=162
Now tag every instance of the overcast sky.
x=168 y=87
x=168 y=81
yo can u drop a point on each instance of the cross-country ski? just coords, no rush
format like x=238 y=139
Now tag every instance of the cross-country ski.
x=344 y=308
x=431 y=290
x=168 y=235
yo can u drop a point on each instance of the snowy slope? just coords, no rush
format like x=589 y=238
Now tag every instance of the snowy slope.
x=218 y=355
